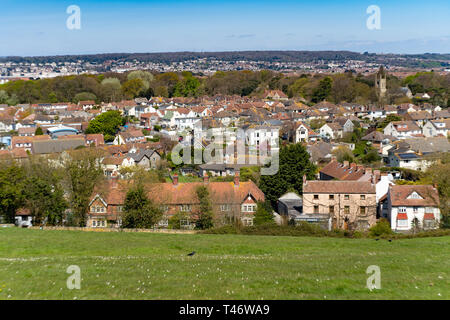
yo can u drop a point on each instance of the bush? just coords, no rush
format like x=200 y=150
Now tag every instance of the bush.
x=382 y=227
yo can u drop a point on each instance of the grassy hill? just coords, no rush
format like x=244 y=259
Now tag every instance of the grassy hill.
x=33 y=265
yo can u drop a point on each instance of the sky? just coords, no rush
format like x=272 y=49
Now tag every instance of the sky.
x=35 y=28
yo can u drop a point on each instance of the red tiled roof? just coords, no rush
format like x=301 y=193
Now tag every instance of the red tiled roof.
x=399 y=195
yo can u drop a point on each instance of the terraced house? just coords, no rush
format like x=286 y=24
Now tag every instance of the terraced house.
x=235 y=199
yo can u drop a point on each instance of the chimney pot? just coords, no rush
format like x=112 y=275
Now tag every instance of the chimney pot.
x=346 y=163
x=175 y=179
x=353 y=165
x=205 y=178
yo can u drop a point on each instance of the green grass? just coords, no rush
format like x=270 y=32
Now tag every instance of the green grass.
x=33 y=265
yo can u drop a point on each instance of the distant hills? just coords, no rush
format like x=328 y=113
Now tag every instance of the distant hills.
x=410 y=60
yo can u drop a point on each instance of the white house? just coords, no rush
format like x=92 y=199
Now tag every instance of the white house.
x=332 y=130
x=433 y=128
x=402 y=129
x=413 y=205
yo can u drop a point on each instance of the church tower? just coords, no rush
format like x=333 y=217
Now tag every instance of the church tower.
x=380 y=83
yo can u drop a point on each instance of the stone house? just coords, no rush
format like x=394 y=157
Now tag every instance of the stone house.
x=350 y=204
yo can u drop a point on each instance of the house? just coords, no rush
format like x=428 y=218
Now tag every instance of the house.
x=94 y=139
x=433 y=128
x=148 y=159
x=275 y=95
x=402 y=129
x=332 y=130
x=417 y=153
x=112 y=165
x=350 y=204
x=26 y=142
x=129 y=136
x=229 y=200
x=303 y=133
x=26 y=131
x=413 y=204
x=346 y=124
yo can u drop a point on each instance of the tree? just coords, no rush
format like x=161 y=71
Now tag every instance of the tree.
x=112 y=89
x=323 y=90
x=38 y=132
x=293 y=165
x=145 y=76
x=139 y=211
x=343 y=153
x=106 y=123
x=133 y=88
x=389 y=118
x=44 y=193
x=12 y=185
x=84 y=96
x=263 y=214
x=83 y=172
x=205 y=215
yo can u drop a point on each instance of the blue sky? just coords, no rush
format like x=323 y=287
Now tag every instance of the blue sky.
x=30 y=27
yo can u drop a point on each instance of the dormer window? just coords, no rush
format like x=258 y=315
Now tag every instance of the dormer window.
x=414 y=195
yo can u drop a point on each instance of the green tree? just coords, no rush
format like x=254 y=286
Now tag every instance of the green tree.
x=205 y=215
x=263 y=214
x=44 y=193
x=293 y=164
x=139 y=211
x=38 y=132
x=84 y=96
x=12 y=186
x=83 y=172
x=323 y=90
x=133 y=88
x=107 y=123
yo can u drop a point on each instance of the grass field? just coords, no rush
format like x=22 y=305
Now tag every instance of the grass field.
x=33 y=265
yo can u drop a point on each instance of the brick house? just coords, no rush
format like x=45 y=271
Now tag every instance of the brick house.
x=229 y=199
x=349 y=204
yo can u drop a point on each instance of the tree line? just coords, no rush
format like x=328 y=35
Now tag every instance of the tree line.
x=346 y=87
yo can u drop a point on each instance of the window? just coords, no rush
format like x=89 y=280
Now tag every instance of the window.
x=316 y=209
x=402 y=223
x=316 y=197
x=185 y=207
x=164 y=208
x=347 y=209
x=331 y=197
x=415 y=209
x=248 y=208
x=346 y=197
x=225 y=207
x=363 y=197
x=94 y=223
x=362 y=210
x=402 y=209
x=331 y=209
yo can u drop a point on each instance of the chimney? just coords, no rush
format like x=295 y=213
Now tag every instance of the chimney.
x=236 y=179
x=333 y=158
x=346 y=163
x=360 y=168
x=304 y=179
x=374 y=179
x=205 y=178
x=175 y=179
x=368 y=170
x=114 y=178
x=353 y=165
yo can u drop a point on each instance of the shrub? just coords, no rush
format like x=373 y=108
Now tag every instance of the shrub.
x=382 y=227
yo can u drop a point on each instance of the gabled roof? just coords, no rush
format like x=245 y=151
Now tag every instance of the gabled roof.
x=399 y=194
x=339 y=187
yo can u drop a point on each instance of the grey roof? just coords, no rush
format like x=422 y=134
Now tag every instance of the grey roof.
x=54 y=146
x=427 y=145
x=141 y=154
